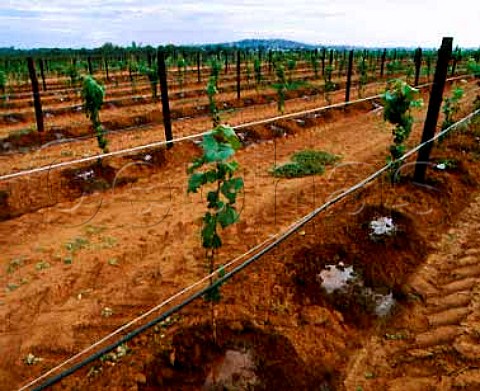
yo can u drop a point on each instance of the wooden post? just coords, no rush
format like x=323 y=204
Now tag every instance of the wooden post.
x=455 y=60
x=382 y=66
x=238 y=74
x=105 y=61
x=429 y=65
x=149 y=59
x=162 y=75
x=36 y=94
x=434 y=104
x=270 y=61
x=323 y=61
x=418 y=64
x=42 y=74
x=199 y=75
x=330 y=60
x=226 y=62
x=349 y=76
x=90 y=69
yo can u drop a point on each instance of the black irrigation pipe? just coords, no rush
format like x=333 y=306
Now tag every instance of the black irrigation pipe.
x=221 y=280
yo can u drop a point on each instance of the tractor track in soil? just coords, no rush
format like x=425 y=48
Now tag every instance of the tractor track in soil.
x=437 y=347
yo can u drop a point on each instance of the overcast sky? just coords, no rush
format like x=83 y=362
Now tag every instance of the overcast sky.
x=91 y=23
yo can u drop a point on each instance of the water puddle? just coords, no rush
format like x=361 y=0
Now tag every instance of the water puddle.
x=235 y=370
x=86 y=175
x=335 y=277
x=381 y=227
x=343 y=280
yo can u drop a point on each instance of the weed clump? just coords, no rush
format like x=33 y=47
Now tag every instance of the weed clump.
x=304 y=163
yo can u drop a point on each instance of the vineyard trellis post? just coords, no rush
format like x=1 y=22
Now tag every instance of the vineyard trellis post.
x=349 y=76
x=455 y=60
x=323 y=61
x=270 y=61
x=42 y=74
x=238 y=74
x=105 y=62
x=418 y=64
x=199 y=75
x=162 y=76
x=90 y=68
x=36 y=94
x=436 y=95
x=382 y=66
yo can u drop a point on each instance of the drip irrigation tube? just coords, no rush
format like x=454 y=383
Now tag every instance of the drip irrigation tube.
x=223 y=278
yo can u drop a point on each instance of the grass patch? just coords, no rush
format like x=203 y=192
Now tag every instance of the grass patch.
x=304 y=163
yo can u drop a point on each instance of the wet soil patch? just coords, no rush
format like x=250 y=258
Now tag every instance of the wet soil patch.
x=244 y=359
x=31 y=139
x=291 y=126
x=346 y=249
x=94 y=177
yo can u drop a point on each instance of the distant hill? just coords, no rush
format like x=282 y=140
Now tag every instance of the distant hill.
x=274 y=44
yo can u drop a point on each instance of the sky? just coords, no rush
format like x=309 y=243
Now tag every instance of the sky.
x=380 y=23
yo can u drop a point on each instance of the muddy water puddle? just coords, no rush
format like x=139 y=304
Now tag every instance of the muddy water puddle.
x=342 y=280
x=233 y=370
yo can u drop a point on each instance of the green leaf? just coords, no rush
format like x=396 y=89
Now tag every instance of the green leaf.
x=211 y=176
x=231 y=167
x=209 y=143
x=210 y=238
x=212 y=199
x=227 y=216
x=196 y=164
x=231 y=187
x=195 y=181
x=230 y=136
x=215 y=151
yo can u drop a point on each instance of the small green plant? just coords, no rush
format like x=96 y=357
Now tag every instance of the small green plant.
x=257 y=68
x=281 y=87
x=450 y=108
x=132 y=70
x=116 y=355
x=329 y=85
x=409 y=72
x=399 y=99
x=473 y=67
x=304 y=163
x=211 y=92
x=362 y=69
x=72 y=72
x=248 y=69
x=215 y=170
x=215 y=68
x=42 y=265
x=93 y=94
x=15 y=264
x=31 y=359
x=181 y=72
x=152 y=75
x=315 y=64
x=3 y=82
x=291 y=64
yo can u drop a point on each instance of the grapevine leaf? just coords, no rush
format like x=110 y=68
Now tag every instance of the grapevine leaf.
x=227 y=216
x=211 y=176
x=231 y=187
x=195 y=181
x=231 y=137
x=212 y=199
x=196 y=164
